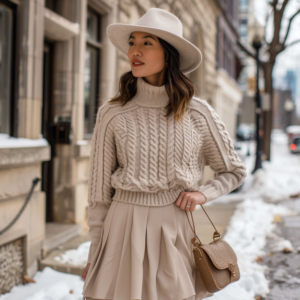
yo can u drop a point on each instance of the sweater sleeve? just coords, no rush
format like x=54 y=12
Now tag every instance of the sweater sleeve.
x=220 y=155
x=102 y=163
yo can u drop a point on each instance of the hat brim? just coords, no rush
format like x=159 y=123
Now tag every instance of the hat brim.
x=190 y=56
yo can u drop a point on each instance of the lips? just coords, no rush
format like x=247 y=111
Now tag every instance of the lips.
x=137 y=62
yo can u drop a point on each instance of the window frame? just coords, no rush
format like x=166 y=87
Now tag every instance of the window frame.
x=98 y=45
x=14 y=80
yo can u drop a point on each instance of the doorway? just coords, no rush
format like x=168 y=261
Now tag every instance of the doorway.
x=47 y=181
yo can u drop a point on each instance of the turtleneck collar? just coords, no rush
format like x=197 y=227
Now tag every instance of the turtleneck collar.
x=150 y=95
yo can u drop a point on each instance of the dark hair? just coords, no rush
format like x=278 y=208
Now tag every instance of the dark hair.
x=179 y=88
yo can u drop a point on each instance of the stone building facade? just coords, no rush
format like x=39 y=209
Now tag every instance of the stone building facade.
x=62 y=67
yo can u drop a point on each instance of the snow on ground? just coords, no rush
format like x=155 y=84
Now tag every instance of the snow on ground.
x=253 y=219
x=276 y=181
x=49 y=285
x=249 y=226
x=279 y=178
x=278 y=243
x=75 y=257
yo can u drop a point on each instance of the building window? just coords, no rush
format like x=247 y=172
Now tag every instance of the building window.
x=51 y=4
x=244 y=28
x=91 y=70
x=244 y=22
x=6 y=67
x=59 y=7
x=227 y=55
x=93 y=25
x=244 y=4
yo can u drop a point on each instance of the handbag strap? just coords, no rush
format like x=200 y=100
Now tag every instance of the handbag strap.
x=216 y=233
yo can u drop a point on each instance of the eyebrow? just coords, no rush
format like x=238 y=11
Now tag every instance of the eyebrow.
x=144 y=37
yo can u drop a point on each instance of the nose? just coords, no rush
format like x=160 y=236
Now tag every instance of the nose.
x=136 y=49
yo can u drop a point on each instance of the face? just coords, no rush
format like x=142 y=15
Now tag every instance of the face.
x=146 y=49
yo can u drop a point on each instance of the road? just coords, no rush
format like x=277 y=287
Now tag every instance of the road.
x=284 y=268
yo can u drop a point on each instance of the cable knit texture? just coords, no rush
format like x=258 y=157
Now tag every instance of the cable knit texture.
x=140 y=156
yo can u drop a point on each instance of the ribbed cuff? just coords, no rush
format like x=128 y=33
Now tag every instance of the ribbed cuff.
x=92 y=251
x=204 y=197
x=210 y=192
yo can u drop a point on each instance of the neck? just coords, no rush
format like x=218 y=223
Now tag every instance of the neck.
x=150 y=95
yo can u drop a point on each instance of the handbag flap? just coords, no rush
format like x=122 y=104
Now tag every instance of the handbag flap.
x=220 y=253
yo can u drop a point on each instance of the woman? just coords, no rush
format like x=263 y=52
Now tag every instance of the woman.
x=149 y=148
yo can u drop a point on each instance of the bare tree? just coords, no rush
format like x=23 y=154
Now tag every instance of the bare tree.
x=273 y=48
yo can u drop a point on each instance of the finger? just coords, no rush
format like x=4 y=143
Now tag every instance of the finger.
x=189 y=203
x=184 y=201
x=179 y=199
x=193 y=206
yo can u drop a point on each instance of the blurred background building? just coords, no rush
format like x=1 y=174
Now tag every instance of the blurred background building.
x=247 y=79
x=57 y=67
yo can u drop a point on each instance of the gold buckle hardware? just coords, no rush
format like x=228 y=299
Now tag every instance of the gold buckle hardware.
x=217 y=235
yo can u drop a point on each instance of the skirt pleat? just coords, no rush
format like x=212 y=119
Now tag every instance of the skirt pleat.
x=145 y=253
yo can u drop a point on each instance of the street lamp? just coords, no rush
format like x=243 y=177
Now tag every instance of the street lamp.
x=256 y=44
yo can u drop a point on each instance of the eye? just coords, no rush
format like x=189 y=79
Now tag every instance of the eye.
x=131 y=43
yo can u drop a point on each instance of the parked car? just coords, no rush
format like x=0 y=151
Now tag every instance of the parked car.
x=245 y=132
x=295 y=145
x=292 y=132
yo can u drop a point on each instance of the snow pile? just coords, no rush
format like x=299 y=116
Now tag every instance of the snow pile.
x=279 y=179
x=75 y=257
x=249 y=226
x=49 y=285
x=82 y=142
x=275 y=183
x=278 y=243
x=7 y=141
x=278 y=137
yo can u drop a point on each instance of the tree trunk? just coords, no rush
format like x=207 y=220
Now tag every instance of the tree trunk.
x=268 y=115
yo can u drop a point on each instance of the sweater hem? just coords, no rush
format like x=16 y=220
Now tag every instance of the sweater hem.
x=160 y=198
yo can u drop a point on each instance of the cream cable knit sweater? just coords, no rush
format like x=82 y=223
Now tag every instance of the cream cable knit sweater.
x=141 y=157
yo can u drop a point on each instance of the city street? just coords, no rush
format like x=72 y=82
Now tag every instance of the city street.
x=91 y=92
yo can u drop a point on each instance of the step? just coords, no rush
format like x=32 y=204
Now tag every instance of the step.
x=58 y=233
x=72 y=243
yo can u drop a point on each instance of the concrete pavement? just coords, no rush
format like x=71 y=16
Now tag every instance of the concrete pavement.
x=284 y=268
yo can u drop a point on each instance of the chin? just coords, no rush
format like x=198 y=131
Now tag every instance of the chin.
x=139 y=74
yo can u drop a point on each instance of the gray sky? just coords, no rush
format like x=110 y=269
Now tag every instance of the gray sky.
x=290 y=58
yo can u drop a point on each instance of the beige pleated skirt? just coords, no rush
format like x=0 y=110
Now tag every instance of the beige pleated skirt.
x=145 y=253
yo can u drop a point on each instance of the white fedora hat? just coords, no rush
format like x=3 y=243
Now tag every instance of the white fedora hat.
x=166 y=26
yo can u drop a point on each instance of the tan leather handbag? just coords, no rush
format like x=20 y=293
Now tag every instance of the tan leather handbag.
x=216 y=262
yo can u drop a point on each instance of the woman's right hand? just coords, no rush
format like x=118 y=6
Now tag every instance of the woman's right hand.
x=85 y=271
